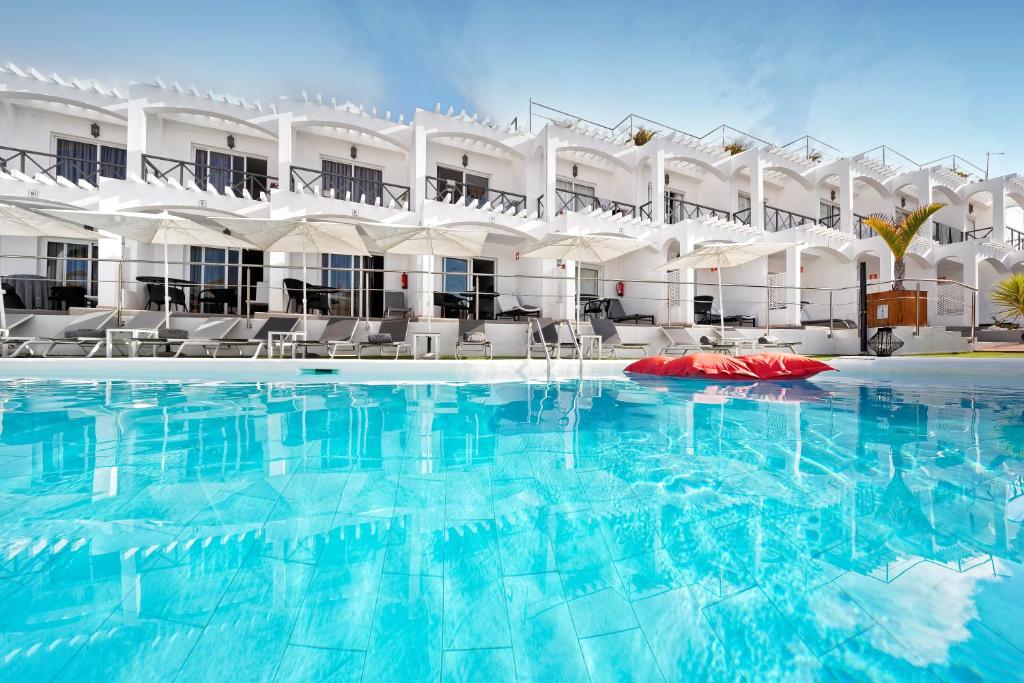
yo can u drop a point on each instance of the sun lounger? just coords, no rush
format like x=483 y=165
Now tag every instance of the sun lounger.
x=261 y=338
x=610 y=340
x=770 y=342
x=681 y=342
x=391 y=336
x=87 y=332
x=509 y=306
x=618 y=314
x=207 y=332
x=472 y=336
x=544 y=338
x=338 y=338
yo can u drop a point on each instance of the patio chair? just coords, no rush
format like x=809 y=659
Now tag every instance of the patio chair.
x=681 y=342
x=217 y=300
x=611 y=341
x=338 y=338
x=509 y=306
x=87 y=332
x=11 y=298
x=391 y=336
x=155 y=294
x=316 y=301
x=702 y=309
x=595 y=309
x=451 y=305
x=394 y=305
x=617 y=314
x=544 y=338
x=472 y=335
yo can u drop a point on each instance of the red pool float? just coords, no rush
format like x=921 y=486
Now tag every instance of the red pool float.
x=719 y=366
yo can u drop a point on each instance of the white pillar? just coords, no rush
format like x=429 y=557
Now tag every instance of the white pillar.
x=756 y=192
x=846 y=199
x=971 y=279
x=136 y=135
x=550 y=175
x=277 y=298
x=999 y=213
x=657 y=187
x=285 y=150
x=793 y=294
x=417 y=168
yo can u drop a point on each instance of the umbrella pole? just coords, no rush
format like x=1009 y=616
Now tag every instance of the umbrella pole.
x=305 y=306
x=120 y=286
x=167 y=289
x=3 y=312
x=721 y=302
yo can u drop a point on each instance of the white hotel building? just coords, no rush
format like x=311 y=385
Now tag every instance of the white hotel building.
x=156 y=146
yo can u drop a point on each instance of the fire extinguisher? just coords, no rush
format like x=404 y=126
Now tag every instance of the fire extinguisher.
x=620 y=288
x=405 y=280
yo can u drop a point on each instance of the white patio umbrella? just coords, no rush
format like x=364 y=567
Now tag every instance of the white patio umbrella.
x=149 y=228
x=18 y=222
x=297 y=236
x=720 y=255
x=429 y=240
x=597 y=247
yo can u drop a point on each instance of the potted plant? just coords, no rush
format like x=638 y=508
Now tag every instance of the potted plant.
x=737 y=146
x=642 y=136
x=894 y=307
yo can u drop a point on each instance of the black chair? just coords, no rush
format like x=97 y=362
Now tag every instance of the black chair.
x=218 y=300
x=11 y=298
x=617 y=314
x=595 y=309
x=64 y=297
x=702 y=309
x=316 y=301
x=155 y=293
x=451 y=305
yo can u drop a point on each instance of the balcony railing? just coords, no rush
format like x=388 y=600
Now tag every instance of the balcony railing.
x=947 y=234
x=830 y=221
x=777 y=220
x=567 y=200
x=450 y=191
x=346 y=187
x=677 y=210
x=237 y=182
x=1014 y=238
x=53 y=166
x=861 y=228
x=742 y=216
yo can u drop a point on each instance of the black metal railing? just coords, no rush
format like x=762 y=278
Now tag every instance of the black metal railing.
x=980 y=233
x=742 y=216
x=53 y=166
x=540 y=206
x=861 y=228
x=645 y=212
x=831 y=221
x=777 y=220
x=346 y=187
x=677 y=210
x=450 y=191
x=568 y=200
x=1014 y=238
x=235 y=181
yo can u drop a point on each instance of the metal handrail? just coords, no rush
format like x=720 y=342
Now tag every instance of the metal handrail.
x=451 y=191
x=575 y=343
x=183 y=171
x=645 y=211
x=862 y=229
x=28 y=162
x=569 y=200
x=742 y=216
x=777 y=220
x=529 y=343
x=678 y=210
x=345 y=187
x=1014 y=238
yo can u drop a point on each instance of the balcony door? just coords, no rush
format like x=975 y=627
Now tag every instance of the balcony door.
x=575 y=196
x=460 y=275
x=78 y=160
x=351 y=181
x=360 y=281
x=458 y=183
x=674 y=206
x=828 y=214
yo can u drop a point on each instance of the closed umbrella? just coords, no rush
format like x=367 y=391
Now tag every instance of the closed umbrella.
x=18 y=222
x=297 y=236
x=720 y=255
x=149 y=228
x=597 y=247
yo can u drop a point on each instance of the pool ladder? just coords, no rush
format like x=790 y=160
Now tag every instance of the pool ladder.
x=547 y=355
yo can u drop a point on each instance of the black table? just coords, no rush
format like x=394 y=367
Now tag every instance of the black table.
x=474 y=299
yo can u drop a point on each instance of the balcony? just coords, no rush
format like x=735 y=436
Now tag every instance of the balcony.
x=349 y=188
x=55 y=166
x=568 y=200
x=775 y=219
x=243 y=184
x=450 y=192
x=1015 y=239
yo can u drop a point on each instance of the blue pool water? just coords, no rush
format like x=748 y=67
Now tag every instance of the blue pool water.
x=603 y=531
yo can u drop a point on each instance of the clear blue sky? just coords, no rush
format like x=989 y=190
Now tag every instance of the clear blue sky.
x=928 y=79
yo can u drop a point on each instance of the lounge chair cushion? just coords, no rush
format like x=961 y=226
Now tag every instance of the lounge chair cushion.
x=475 y=338
x=379 y=338
x=84 y=333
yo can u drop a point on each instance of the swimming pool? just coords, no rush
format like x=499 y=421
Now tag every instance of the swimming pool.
x=596 y=530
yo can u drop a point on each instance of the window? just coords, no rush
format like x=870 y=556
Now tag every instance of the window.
x=360 y=281
x=73 y=264
x=674 y=206
x=590 y=280
x=212 y=267
x=460 y=275
x=459 y=183
x=828 y=214
x=574 y=196
x=78 y=160
x=231 y=173
x=350 y=179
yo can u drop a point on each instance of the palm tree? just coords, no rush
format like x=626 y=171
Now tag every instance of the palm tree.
x=899 y=234
x=1008 y=296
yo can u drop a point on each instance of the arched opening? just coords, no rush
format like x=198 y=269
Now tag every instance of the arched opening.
x=825 y=274
x=952 y=300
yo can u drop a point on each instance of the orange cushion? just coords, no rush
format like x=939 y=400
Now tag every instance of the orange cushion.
x=716 y=365
x=784 y=366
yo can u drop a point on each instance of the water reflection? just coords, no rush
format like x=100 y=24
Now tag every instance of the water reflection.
x=761 y=530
